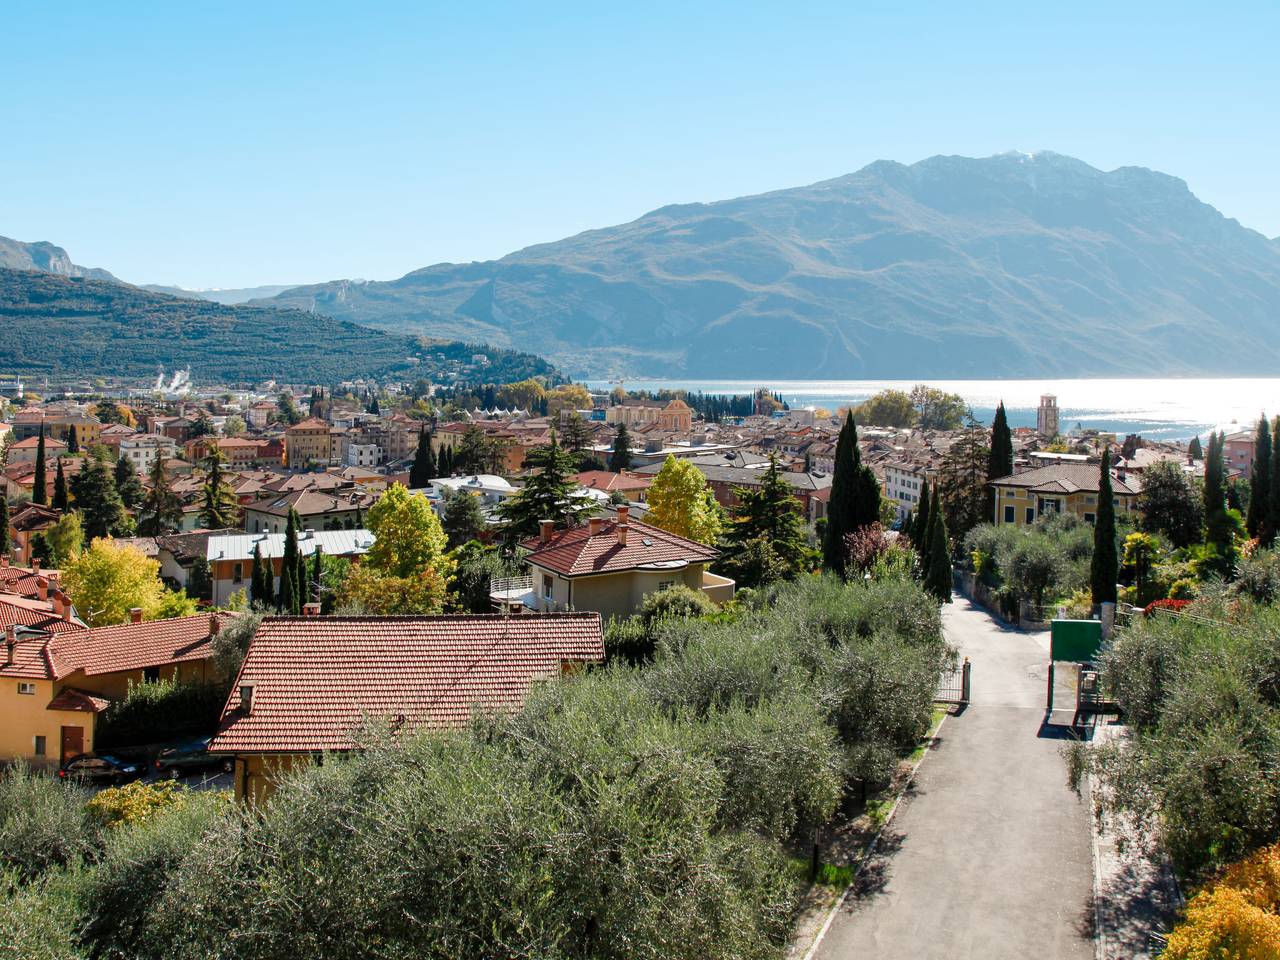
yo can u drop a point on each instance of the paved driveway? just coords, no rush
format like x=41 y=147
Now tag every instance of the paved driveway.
x=989 y=856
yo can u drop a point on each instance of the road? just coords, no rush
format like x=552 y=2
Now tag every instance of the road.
x=989 y=855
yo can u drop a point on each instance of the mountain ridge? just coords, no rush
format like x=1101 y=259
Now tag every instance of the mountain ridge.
x=1017 y=264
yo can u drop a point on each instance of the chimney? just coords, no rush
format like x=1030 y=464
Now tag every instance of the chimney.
x=545 y=527
x=311 y=609
x=135 y=614
x=10 y=644
x=215 y=625
x=624 y=513
x=4 y=561
x=42 y=588
x=622 y=534
x=35 y=564
x=65 y=602
x=594 y=525
x=246 y=698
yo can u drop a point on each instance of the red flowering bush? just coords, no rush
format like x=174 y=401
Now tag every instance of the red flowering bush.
x=1173 y=606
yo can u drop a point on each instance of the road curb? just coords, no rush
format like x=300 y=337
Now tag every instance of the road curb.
x=872 y=845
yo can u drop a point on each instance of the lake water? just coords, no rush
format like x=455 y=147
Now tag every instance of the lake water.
x=1172 y=409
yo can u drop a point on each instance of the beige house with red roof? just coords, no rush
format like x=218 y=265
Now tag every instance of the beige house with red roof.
x=57 y=675
x=606 y=481
x=1022 y=498
x=429 y=673
x=610 y=566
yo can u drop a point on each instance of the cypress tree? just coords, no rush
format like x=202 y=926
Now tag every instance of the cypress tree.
x=1105 y=565
x=127 y=483
x=60 y=499
x=842 y=504
x=866 y=501
x=920 y=532
x=1194 y=450
x=1259 y=518
x=316 y=579
x=1000 y=456
x=1217 y=525
x=290 y=601
x=39 y=488
x=1273 y=499
x=73 y=440
x=938 y=579
x=620 y=458
x=255 y=578
x=4 y=526
x=423 y=470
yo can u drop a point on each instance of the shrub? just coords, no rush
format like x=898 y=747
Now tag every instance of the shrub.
x=1235 y=916
x=161 y=710
x=678 y=602
x=1258 y=576
x=134 y=802
x=42 y=823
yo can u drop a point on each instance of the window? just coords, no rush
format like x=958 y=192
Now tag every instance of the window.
x=1009 y=514
x=1031 y=514
x=151 y=674
x=27 y=689
x=666 y=584
x=237 y=572
x=39 y=747
x=548 y=586
x=1089 y=518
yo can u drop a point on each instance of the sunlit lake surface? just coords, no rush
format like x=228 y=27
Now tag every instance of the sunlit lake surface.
x=1175 y=409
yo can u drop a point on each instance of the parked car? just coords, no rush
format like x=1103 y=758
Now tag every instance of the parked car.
x=188 y=756
x=98 y=769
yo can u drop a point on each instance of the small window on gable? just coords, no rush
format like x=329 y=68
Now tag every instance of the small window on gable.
x=26 y=688
x=151 y=674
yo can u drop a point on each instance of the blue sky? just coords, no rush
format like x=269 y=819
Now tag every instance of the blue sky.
x=235 y=144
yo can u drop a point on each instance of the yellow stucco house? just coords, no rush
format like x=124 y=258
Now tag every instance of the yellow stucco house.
x=57 y=675
x=611 y=565
x=1022 y=498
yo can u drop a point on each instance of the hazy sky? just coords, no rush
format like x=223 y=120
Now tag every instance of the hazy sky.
x=243 y=144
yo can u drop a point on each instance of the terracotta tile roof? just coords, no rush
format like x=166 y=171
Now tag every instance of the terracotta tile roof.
x=33 y=516
x=576 y=552
x=135 y=646
x=1067 y=478
x=69 y=698
x=316 y=678
x=23 y=581
x=608 y=481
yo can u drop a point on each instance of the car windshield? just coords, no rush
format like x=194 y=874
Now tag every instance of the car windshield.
x=107 y=757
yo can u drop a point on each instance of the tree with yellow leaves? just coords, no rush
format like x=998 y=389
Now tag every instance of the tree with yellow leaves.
x=108 y=579
x=1235 y=916
x=681 y=501
x=407 y=569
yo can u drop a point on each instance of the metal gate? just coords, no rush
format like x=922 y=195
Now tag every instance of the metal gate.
x=953 y=687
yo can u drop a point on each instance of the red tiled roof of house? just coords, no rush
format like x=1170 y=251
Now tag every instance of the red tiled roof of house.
x=315 y=679
x=136 y=646
x=577 y=552
x=23 y=581
x=608 y=481
x=69 y=698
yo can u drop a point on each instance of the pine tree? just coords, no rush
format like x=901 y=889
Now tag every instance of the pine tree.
x=219 y=509
x=4 y=526
x=101 y=509
x=938 y=579
x=1105 y=565
x=423 y=470
x=1259 y=517
x=160 y=511
x=200 y=581
x=999 y=458
x=127 y=483
x=842 y=504
x=39 y=482
x=1194 y=450
x=620 y=458
x=547 y=495
x=767 y=516
x=60 y=499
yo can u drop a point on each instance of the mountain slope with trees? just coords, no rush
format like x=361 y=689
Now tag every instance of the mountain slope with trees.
x=1028 y=265
x=60 y=325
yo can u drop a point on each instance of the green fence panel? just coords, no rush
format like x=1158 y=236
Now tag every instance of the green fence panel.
x=1077 y=640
